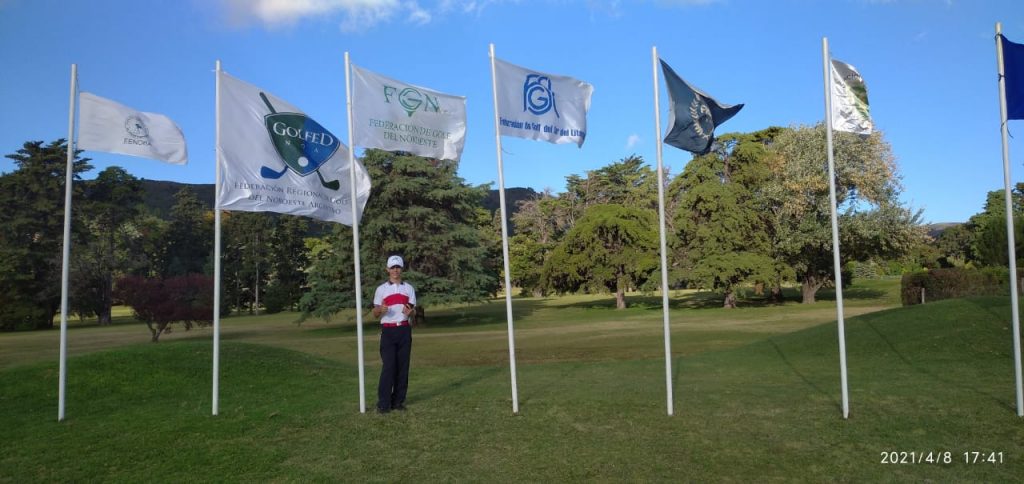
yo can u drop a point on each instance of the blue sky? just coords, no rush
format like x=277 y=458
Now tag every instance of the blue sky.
x=929 y=66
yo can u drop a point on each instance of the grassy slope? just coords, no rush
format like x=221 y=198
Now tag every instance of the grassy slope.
x=929 y=378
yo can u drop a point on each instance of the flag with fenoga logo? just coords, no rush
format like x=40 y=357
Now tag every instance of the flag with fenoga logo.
x=540 y=106
x=850 y=109
x=275 y=158
x=396 y=116
x=111 y=127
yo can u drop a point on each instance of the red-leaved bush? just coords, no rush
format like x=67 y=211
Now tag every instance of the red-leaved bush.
x=159 y=303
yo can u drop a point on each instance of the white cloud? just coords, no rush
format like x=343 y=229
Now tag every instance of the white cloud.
x=632 y=141
x=357 y=14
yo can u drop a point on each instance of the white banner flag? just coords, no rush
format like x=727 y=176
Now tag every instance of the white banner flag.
x=395 y=116
x=850 y=111
x=535 y=105
x=108 y=126
x=274 y=158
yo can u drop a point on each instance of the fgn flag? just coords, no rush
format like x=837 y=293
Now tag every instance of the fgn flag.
x=535 y=105
x=274 y=158
x=1013 y=78
x=693 y=115
x=105 y=125
x=392 y=115
x=850 y=111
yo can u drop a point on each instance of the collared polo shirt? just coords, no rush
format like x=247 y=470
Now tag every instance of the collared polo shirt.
x=394 y=297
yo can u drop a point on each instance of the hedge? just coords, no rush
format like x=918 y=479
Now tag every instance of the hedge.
x=953 y=283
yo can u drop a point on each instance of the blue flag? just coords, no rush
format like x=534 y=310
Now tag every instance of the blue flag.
x=693 y=115
x=1013 y=77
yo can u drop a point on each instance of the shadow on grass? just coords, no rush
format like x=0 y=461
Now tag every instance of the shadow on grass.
x=799 y=374
x=933 y=375
x=435 y=389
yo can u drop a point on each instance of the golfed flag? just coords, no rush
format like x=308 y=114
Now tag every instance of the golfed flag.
x=535 y=105
x=274 y=158
x=395 y=116
x=105 y=125
x=850 y=111
x=693 y=115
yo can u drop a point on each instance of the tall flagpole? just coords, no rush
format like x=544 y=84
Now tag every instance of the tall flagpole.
x=216 y=250
x=65 y=269
x=1010 y=243
x=661 y=231
x=504 y=241
x=355 y=238
x=835 y=226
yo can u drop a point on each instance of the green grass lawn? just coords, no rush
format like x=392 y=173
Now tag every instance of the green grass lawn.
x=757 y=397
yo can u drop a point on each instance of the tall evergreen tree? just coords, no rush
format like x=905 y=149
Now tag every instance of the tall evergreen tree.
x=189 y=237
x=612 y=248
x=421 y=210
x=720 y=231
x=33 y=233
x=104 y=252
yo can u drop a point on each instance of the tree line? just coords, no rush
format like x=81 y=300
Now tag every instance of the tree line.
x=753 y=211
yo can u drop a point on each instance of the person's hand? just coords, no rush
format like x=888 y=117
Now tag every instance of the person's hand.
x=377 y=310
x=407 y=309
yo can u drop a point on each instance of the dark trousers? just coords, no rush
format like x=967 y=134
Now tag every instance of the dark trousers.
x=395 y=348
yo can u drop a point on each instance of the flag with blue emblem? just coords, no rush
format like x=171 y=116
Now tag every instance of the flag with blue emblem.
x=693 y=115
x=1013 y=78
x=540 y=106
x=275 y=158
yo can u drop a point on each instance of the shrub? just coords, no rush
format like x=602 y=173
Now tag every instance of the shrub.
x=160 y=303
x=953 y=283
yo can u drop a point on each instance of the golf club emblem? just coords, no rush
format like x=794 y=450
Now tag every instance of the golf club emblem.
x=538 y=98
x=301 y=142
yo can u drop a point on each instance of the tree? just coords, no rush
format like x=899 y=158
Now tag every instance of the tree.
x=160 y=303
x=287 y=262
x=990 y=240
x=189 y=237
x=866 y=181
x=720 y=231
x=245 y=240
x=33 y=233
x=612 y=247
x=421 y=210
x=104 y=250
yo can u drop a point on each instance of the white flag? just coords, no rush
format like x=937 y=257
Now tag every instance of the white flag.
x=535 y=105
x=850 y=111
x=274 y=158
x=105 y=125
x=392 y=115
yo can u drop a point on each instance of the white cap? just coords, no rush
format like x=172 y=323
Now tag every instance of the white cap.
x=395 y=261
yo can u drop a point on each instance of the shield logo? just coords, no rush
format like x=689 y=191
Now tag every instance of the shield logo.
x=302 y=143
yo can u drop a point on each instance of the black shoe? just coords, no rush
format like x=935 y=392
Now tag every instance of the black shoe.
x=400 y=408
x=383 y=410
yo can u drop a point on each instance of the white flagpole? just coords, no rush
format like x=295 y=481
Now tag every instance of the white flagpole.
x=1010 y=243
x=216 y=250
x=661 y=231
x=355 y=238
x=835 y=226
x=65 y=269
x=504 y=241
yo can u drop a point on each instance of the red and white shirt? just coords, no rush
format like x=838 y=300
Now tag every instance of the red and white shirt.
x=394 y=297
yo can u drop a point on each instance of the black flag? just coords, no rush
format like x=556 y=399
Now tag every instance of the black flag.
x=693 y=115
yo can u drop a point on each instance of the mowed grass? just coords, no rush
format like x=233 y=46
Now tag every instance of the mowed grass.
x=757 y=398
